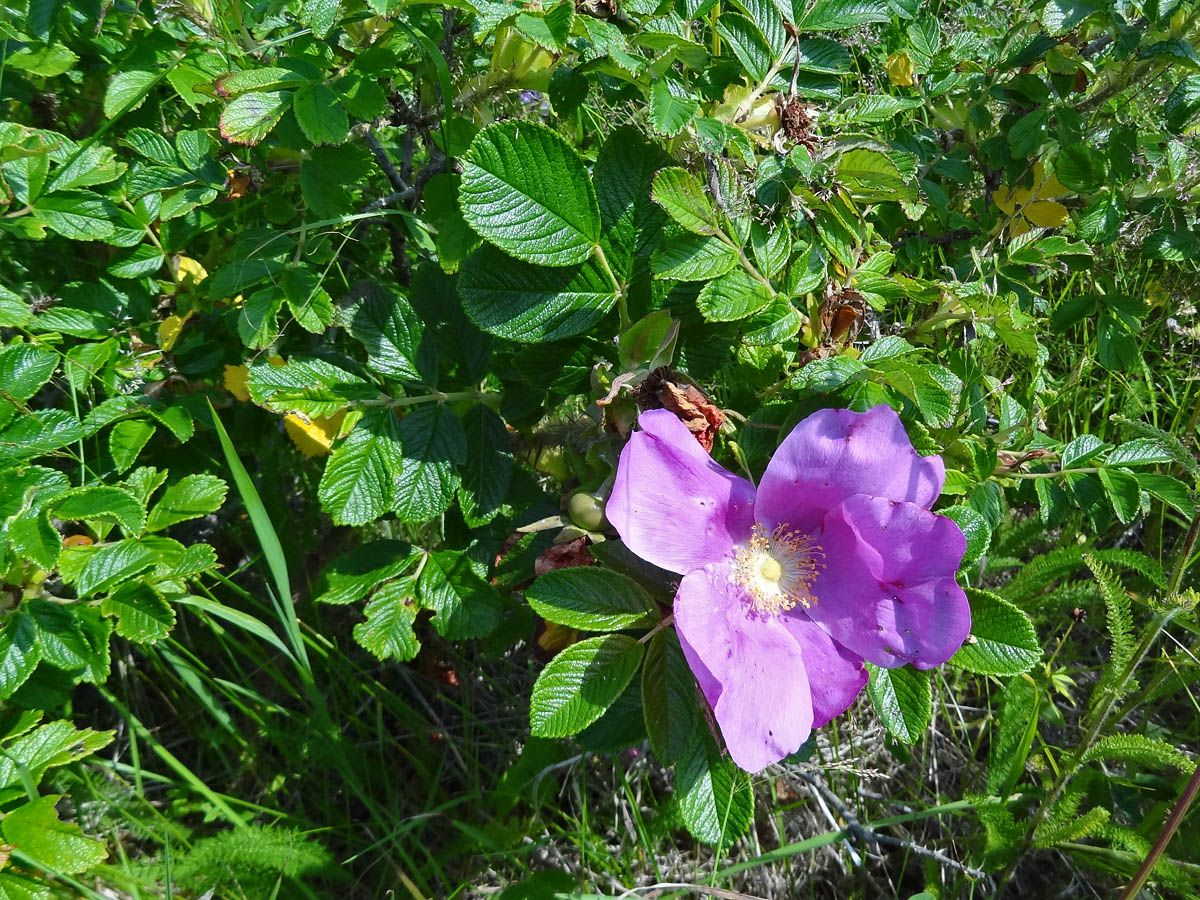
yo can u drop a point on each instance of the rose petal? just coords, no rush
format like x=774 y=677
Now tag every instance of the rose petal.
x=835 y=674
x=671 y=504
x=887 y=591
x=837 y=453
x=749 y=665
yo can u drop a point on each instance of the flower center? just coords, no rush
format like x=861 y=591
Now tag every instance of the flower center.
x=778 y=569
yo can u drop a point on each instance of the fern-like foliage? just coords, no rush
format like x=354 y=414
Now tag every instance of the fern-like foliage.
x=1002 y=832
x=1052 y=832
x=1136 y=848
x=1139 y=750
x=250 y=862
x=1120 y=630
x=1041 y=572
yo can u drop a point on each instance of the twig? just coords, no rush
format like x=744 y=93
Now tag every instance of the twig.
x=384 y=161
x=1164 y=836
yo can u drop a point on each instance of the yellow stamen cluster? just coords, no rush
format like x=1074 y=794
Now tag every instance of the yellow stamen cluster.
x=778 y=569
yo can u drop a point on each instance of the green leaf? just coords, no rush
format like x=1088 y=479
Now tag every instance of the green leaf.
x=464 y=604
x=36 y=829
x=32 y=536
x=77 y=215
x=249 y=118
x=101 y=504
x=580 y=683
x=487 y=467
x=47 y=62
x=359 y=484
x=54 y=744
x=1013 y=735
x=693 y=257
x=308 y=301
x=526 y=190
x=1101 y=222
x=1139 y=452
x=432 y=445
x=1002 y=641
x=1169 y=490
x=771 y=325
x=98 y=568
x=874 y=108
x=974 y=526
x=523 y=302
x=37 y=432
x=903 y=699
x=670 y=699
x=353 y=575
x=733 y=296
x=308 y=386
x=326 y=175
x=24 y=368
x=127 y=91
x=189 y=498
x=679 y=193
x=834 y=15
x=153 y=146
x=1123 y=492
x=142 y=615
x=258 y=323
x=320 y=114
x=871 y=175
x=388 y=629
x=1080 y=168
x=746 y=43
x=19 y=651
x=670 y=113
x=715 y=797
x=386 y=325
x=823 y=55
x=591 y=599
x=1183 y=103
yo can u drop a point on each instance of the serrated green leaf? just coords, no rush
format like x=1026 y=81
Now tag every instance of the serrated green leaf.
x=189 y=498
x=670 y=699
x=353 y=575
x=142 y=615
x=464 y=604
x=746 y=43
x=1016 y=727
x=834 y=15
x=487 y=467
x=249 y=118
x=974 y=526
x=1183 y=103
x=24 y=368
x=679 y=193
x=320 y=114
x=386 y=325
x=1080 y=168
x=772 y=325
x=1002 y=641
x=693 y=257
x=36 y=829
x=1101 y=222
x=715 y=798
x=432 y=446
x=32 y=536
x=580 y=683
x=309 y=386
x=1123 y=492
x=1169 y=490
x=1138 y=452
x=77 y=215
x=733 y=296
x=388 y=629
x=526 y=190
x=591 y=599
x=669 y=112
x=101 y=504
x=903 y=700
x=100 y=567
x=127 y=91
x=524 y=302
x=359 y=484
x=57 y=743
x=19 y=652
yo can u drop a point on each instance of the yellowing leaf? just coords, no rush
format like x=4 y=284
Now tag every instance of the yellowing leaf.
x=190 y=272
x=313 y=437
x=899 y=68
x=557 y=637
x=1046 y=214
x=169 y=329
x=235 y=381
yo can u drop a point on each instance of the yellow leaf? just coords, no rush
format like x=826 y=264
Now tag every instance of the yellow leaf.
x=1046 y=213
x=169 y=329
x=235 y=382
x=313 y=437
x=557 y=637
x=899 y=68
x=190 y=272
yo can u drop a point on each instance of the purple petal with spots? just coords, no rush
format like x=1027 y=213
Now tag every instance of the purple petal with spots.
x=835 y=674
x=835 y=454
x=671 y=504
x=888 y=591
x=750 y=666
